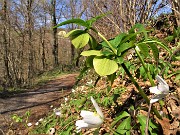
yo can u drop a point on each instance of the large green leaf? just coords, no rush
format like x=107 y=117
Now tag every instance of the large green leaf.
x=92 y=20
x=74 y=33
x=177 y=77
x=81 y=40
x=155 y=51
x=159 y=43
x=92 y=52
x=140 y=28
x=125 y=46
x=89 y=61
x=117 y=40
x=125 y=127
x=119 y=117
x=104 y=66
x=144 y=49
x=152 y=126
x=77 y=21
x=92 y=42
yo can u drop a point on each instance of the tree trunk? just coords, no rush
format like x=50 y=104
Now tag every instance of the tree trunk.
x=29 y=32
x=42 y=41
x=5 y=43
x=54 y=23
x=176 y=11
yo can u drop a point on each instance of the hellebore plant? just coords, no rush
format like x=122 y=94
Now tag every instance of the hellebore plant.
x=108 y=58
x=90 y=119
x=161 y=90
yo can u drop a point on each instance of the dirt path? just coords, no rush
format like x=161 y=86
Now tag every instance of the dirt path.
x=37 y=101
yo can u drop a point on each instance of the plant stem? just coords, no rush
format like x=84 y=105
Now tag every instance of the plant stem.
x=99 y=34
x=147 y=120
x=145 y=68
x=140 y=90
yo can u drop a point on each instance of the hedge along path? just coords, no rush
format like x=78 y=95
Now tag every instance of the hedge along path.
x=37 y=101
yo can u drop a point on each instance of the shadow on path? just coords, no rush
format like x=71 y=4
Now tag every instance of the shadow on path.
x=37 y=101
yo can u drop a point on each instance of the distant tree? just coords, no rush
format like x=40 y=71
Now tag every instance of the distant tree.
x=55 y=39
x=176 y=11
x=124 y=13
x=74 y=9
x=29 y=30
x=5 y=42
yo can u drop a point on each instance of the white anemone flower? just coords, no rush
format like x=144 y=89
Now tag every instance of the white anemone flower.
x=57 y=112
x=51 y=131
x=29 y=124
x=161 y=90
x=90 y=119
x=73 y=90
x=66 y=99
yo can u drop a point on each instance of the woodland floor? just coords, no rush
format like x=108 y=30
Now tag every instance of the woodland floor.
x=37 y=101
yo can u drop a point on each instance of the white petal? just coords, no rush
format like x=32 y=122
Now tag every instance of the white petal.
x=153 y=100
x=91 y=118
x=154 y=90
x=164 y=89
x=98 y=109
x=81 y=124
x=86 y=113
x=160 y=80
x=157 y=97
x=29 y=124
x=41 y=119
x=162 y=86
x=37 y=123
x=51 y=131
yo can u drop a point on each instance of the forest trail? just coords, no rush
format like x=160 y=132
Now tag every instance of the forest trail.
x=37 y=101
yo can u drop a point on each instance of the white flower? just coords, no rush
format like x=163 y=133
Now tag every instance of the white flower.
x=89 y=83
x=37 y=123
x=57 y=112
x=29 y=124
x=161 y=90
x=51 y=131
x=66 y=99
x=41 y=119
x=90 y=119
x=73 y=90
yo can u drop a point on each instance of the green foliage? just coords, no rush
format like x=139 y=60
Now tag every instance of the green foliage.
x=113 y=51
x=91 y=53
x=153 y=128
x=104 y=66
x=24 y=118
x=125 y=127
x=122 y=115
x=88 y=24
x=175 y=35
x=17 y=118
x=109 y=58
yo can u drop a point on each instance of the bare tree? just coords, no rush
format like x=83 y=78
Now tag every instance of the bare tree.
x=124 y=13
x=55 y=41
x=176 y=11
x=6 y=43
x=29 y=28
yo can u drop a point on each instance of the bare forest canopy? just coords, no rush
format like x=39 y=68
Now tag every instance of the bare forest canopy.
x=30 y=45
